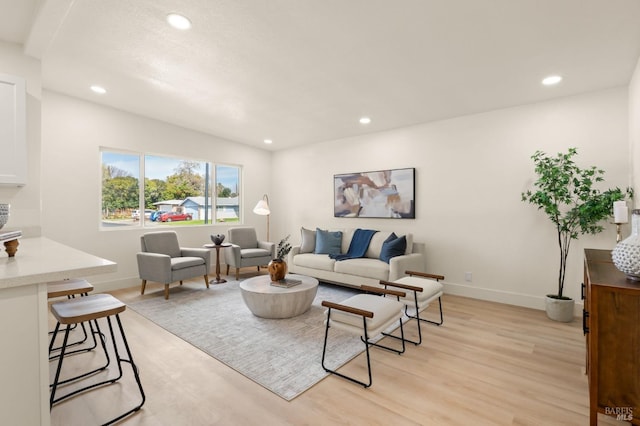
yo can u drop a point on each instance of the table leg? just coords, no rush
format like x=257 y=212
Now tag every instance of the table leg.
x=11 y=247
x=218 y=280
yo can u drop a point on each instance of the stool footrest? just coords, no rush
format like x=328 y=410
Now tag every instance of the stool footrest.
x=90 y=309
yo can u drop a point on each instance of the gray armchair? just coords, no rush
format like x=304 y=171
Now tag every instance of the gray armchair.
x=162 y=260
x=246 y=250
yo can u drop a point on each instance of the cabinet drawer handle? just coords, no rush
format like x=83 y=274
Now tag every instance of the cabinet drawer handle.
x=582 y=291
x=585 y=315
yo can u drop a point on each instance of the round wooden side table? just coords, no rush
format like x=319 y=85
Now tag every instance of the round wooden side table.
x=218 y=280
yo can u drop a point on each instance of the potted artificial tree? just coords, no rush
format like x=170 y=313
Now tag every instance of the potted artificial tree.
x=566 y=194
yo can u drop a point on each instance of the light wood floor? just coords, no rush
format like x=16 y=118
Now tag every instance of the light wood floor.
x=489 y=364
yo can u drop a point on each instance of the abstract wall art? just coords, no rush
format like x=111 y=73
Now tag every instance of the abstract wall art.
x=378 y=194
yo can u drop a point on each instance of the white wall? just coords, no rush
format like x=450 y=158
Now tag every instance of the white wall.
x=470 y=172
x=25 y=200
x=634 y=130
x=72 y=133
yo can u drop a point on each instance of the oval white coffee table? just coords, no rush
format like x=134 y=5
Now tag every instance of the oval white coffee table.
x=267 y=301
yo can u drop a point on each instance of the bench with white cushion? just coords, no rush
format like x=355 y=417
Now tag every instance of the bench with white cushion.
x=422 y=289
x=367 y=315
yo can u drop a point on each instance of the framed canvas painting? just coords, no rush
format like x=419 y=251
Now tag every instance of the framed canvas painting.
x=378 y=194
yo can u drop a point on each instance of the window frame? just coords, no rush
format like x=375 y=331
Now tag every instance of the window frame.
x=210 y=174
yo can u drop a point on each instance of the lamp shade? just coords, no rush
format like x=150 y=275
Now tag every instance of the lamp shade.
x=262 y=208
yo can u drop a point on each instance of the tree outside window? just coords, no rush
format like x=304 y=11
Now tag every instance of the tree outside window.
x=175 y=191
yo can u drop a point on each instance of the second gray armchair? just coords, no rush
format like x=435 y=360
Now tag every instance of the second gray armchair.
x=246 y=250
x=163 y=260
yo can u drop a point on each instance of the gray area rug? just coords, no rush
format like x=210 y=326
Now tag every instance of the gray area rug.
x=283 y=355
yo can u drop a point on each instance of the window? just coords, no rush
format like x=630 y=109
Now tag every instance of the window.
x=174 y=191
x=120 y=188
x=227 y=193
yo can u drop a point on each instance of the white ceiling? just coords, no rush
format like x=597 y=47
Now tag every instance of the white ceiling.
x=304 y=71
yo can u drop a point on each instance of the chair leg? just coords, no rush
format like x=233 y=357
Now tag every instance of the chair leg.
x=227 y=270
x=426 y=320
x=144 y=285
x=324 y=350
x=166 y=292
x=401 y=338
x=84 y=339
x=206 y=280
x=119 y=361
x=95 y=332
x=129 y=361
x=237 y=274
x=417 y=317
x=180 y=282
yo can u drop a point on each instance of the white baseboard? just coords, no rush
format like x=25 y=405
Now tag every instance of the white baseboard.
x=474 y=292
x=501 y=296
x=117 y=284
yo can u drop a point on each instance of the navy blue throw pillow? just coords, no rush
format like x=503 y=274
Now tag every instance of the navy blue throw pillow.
x=393 y=247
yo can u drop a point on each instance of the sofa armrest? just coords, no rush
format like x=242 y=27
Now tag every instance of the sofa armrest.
x=197 y=252
x=294 y=251
x=403 y=286
x=382 y=291
x=270 y=247
x=154 y=267
x=232 y=255
x=424 y=275
x=348 y=309
x=408 y=262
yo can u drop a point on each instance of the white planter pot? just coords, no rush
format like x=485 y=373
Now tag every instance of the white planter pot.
x=559 y=309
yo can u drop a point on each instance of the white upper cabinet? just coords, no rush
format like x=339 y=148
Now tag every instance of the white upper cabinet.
x=13 y=142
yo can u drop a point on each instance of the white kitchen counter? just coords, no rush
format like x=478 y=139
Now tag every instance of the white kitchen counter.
x=24 y=360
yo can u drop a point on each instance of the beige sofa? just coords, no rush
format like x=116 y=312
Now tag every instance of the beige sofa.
x=355 y=272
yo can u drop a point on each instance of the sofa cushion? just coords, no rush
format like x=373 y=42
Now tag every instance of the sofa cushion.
x=431 y=289
x=409 y=238
x=308 y=240
x=243 y=237
x=185 y=262
x=364 y=267
x=347 y=236
x=375 y=245
x=315 y=261
x=161 y=242
x=328 y=242
x=254 y=252
x=385 y=309
x=393 y=247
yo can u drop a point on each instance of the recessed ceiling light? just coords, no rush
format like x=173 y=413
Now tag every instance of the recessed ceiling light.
x=551 y=80
x=178 y=21
x=99 y=89
x=365 y=120
x=268 y=141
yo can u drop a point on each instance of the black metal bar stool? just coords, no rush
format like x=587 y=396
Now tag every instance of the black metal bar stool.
x=92 y=308
x=70 y=288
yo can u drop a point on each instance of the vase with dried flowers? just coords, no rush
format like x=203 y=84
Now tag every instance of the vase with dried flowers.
x=278 y=267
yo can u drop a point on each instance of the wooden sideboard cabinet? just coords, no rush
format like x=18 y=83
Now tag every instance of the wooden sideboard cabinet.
x=611 y=322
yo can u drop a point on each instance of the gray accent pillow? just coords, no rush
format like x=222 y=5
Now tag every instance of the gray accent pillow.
x=328 y=242
x=308 y=240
